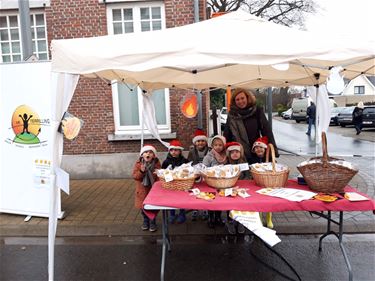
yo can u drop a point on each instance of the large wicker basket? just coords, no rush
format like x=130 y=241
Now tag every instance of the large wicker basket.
x=178 y=184
x=221 y=183
x=325 y=176
x=270 y=178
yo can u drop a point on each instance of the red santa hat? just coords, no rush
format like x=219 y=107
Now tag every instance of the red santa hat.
x=262 y=142
x=230 y=146
x=175 y=144
x=147 y=147
x=222 y=138
x=199 y=135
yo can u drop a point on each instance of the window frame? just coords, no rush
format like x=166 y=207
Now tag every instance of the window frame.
x=33 y=14
x=136 y=13
x=136 y=129
x=359 y=90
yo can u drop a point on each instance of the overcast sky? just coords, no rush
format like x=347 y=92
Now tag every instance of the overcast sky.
x=344 y=17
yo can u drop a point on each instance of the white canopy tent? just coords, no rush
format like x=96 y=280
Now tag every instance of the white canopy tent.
x=236 y=50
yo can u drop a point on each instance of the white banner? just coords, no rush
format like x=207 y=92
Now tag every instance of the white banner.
x=25 y=138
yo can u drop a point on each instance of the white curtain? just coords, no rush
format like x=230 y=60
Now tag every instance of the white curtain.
x=149 y=117
x=63 y=86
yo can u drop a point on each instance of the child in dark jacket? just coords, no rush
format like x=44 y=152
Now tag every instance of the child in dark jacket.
x=197 y=152
x=175 y=159
x=143 y=174
x=236 y=156
x=259 y=148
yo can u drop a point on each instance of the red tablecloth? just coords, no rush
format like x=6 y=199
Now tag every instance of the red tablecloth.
x=159 y=196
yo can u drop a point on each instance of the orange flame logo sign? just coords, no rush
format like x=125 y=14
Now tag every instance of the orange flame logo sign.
x=190 y=107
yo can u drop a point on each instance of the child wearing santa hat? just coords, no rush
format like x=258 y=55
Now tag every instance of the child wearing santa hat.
x=143 y=174
x=236 y=156
x=197 y=152
x=259 y=148
x=216 y=156
x=199 y=148
x=175 y=159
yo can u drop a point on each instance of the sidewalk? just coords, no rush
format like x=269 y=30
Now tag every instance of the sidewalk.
x=105 y=208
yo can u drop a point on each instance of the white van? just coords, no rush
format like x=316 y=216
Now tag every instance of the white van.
x=299 y=108
x=300 y=105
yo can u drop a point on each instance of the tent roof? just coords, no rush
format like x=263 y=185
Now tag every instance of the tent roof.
x=236 y=49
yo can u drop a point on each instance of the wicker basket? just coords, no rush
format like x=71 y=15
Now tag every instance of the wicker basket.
x=178 y=184
x=325 y=176
x=270 y=178
x=221 y=183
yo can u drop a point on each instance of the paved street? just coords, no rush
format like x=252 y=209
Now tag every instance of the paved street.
x=199 y=258
x=292 y=137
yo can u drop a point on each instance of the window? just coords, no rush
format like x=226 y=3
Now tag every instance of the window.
x=39 y=36
x=10 y=37
x=127 y=104
x=359 y=90
x=127 y=99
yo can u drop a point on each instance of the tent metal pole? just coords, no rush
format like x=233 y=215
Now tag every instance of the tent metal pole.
x=269 y=106
x=200 y=111
x=317 y=76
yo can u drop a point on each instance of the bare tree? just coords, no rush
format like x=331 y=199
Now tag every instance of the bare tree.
x=286 y=12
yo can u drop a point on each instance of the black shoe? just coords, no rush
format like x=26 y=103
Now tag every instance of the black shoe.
x=358 y=132
x=145 y=226
x=231 y=228
x=211 y=220
x=153 y=227
x=218 y=220
x=240 y=228
x=194 y=215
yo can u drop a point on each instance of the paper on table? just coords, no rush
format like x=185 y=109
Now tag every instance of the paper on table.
x=290 y=194
x=353 y=196
x=251 y=220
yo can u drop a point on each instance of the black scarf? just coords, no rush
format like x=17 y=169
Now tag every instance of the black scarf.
x=242 y=113
x=148 y=179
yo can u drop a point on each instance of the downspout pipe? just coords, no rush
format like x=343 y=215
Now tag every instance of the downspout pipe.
x=25 y=25
x=199 y=93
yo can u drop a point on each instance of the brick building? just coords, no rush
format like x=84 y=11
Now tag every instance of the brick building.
x=110 y=139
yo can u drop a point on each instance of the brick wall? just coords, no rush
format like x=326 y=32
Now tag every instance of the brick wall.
x=92 y=100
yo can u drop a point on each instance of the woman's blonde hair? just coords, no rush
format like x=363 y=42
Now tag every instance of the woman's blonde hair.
x=251 y=99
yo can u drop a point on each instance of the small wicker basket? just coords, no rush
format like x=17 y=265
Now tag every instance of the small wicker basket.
x=178 y=184
x=270 y=178
x=221 y=183
x=325 y=176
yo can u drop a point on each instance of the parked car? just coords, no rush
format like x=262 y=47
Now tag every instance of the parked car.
x=300 y=105
x=335 y=111
x=368 y=116
x=299 y=109
x=287 y=114
x=345 y=117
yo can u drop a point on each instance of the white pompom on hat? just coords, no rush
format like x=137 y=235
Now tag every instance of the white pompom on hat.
x=147 y=147
x=222 y=138
x=175 y=144
x=231 y=146
x=262 y=142
x=199 y=135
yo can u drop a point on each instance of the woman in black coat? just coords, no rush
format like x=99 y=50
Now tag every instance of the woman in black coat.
x=246 y=123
